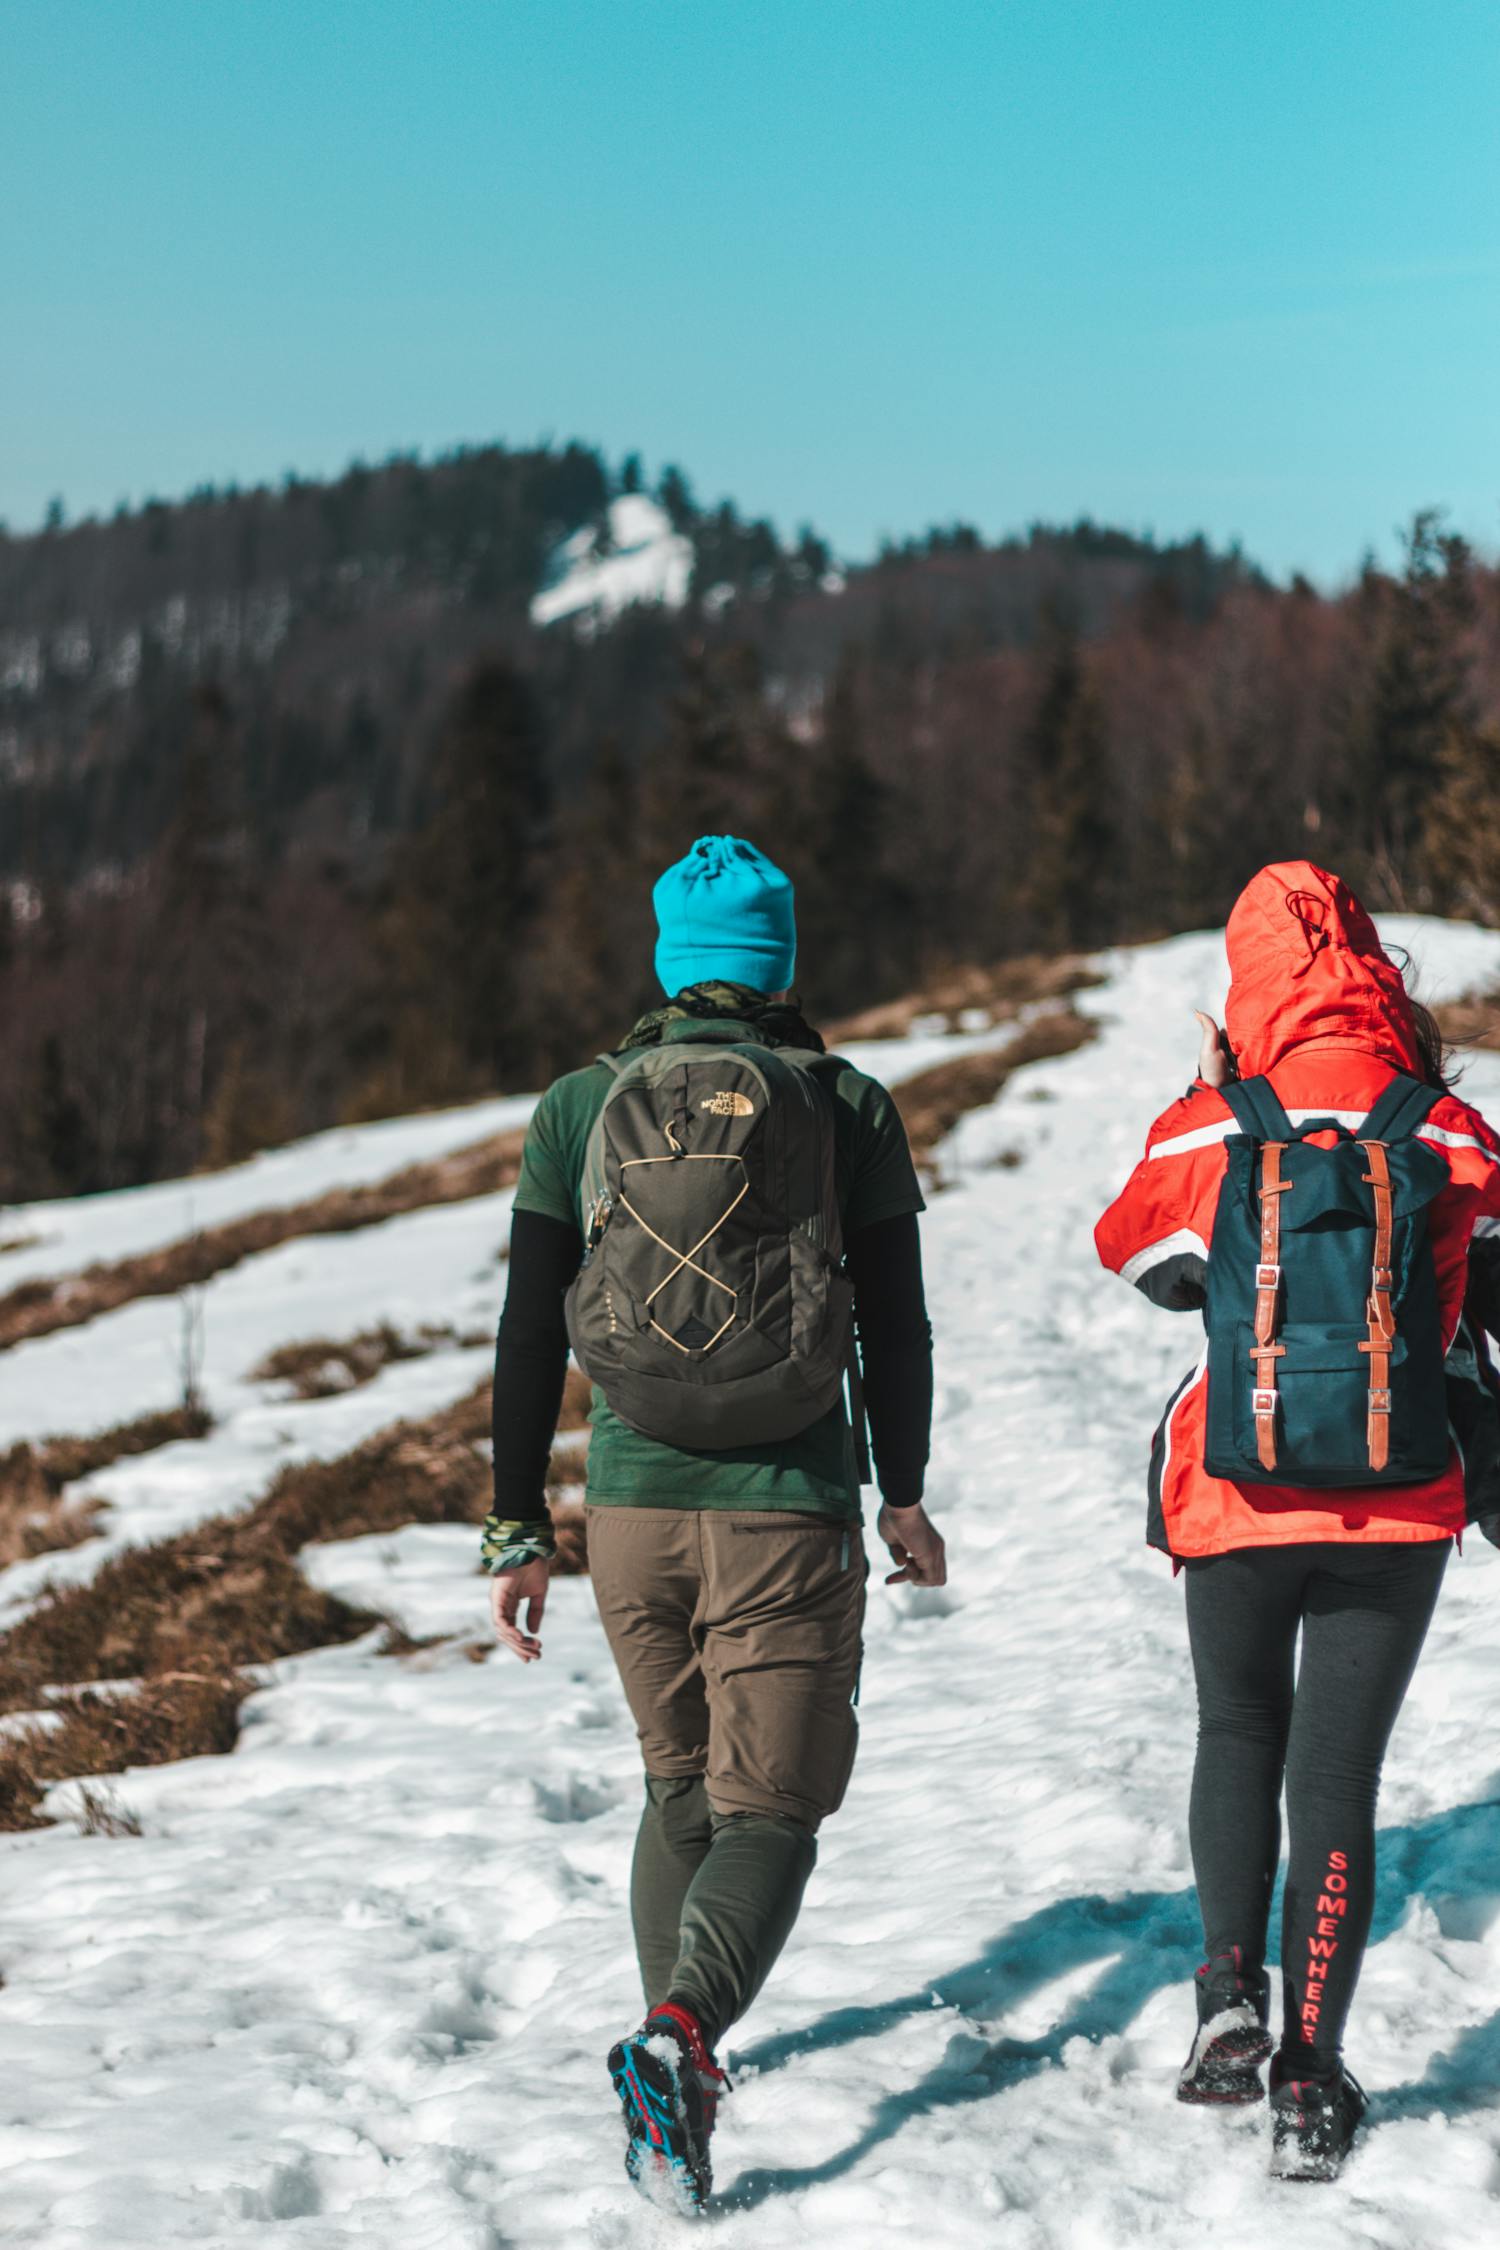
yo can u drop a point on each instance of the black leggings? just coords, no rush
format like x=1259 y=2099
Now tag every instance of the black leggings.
x=1363 y=1613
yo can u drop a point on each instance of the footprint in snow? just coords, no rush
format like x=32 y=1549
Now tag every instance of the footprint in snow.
x=574 y=1798
x=462 y=2018
x=916 y=1602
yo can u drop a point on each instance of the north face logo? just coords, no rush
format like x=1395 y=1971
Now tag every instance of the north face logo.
x=729 y=1105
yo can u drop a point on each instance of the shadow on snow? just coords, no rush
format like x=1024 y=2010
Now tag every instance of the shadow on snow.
x=1148 y=1939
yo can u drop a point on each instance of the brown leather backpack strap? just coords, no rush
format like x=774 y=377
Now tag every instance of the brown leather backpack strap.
x=1265 y=1351
x=1379 y=1311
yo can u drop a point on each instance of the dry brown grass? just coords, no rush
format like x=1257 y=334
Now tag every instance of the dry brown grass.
x=100 y=1813
x=43 y=1523
x=429 y=1471
x=998 y=993
x=1473 y=1022
x=203 y=1604
x=932 y=1104
x=571 y=1526
x=35 y=1518
x=577 y=1394
x=188 y=1617
x=321 y=1367
x=93 y=1734
x=38 y=1308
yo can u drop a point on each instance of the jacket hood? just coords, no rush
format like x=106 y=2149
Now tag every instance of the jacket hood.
x=1306 y=966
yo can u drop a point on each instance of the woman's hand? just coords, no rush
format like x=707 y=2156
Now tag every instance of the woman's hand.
x=1213 y=1063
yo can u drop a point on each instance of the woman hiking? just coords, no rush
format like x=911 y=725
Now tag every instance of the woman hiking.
x=1319 y=1194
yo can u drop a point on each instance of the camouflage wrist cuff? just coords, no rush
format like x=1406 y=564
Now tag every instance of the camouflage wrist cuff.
x=508 y=1544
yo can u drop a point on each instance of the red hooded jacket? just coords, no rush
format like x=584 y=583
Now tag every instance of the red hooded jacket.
x=1317 y=1006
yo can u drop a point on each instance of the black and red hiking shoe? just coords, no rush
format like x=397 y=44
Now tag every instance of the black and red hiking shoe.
x=1313 y=2123
x=669 y=2087
x=1234 y=2005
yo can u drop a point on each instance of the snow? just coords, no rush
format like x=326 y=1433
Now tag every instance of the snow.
x=354 y=1983
x=646 y=561
x=53 y=1238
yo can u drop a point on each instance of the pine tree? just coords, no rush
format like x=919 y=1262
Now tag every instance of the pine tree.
x=1460 y=848
x=1073 y=840
x=466 y=902
x=711 y=770
x=208 y=976
x=853 y=915
x=594 y=947
x=1417 y=695
x=676 y=496
x=66 y=1144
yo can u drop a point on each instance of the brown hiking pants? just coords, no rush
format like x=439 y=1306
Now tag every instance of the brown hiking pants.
x=737 y=1636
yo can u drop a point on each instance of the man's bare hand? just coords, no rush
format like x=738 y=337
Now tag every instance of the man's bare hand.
x=916 y=1549
x=508 y=1590
x=1213 y=1063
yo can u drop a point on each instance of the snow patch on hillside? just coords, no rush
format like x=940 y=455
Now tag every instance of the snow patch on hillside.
x=643 y=560
x=47 y=1239
x=354 y=1983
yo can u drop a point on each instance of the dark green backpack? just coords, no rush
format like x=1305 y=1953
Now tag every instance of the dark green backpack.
x=1325 y=1348
x=711 y=1307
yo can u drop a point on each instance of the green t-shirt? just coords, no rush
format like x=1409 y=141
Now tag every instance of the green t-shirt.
x=813 y=1472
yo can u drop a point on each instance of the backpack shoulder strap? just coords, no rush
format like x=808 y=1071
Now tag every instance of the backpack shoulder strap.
x=1400 y=1110
x=1257 y=1109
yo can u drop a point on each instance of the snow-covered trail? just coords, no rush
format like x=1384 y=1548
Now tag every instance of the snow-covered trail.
x=354 y=1983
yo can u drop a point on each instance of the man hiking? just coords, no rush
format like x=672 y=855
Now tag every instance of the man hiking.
x=710 y=1213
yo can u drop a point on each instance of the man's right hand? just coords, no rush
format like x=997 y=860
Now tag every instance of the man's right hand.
x=508 y=1589
x=916 y=1548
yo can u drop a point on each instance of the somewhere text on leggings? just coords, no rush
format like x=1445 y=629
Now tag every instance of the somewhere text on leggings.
x=1333 y=1904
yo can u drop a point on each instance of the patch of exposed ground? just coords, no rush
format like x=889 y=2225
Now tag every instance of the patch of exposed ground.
x=40 y=1307
x=321 y=1367
x=1471 y=1022
x=970 y=999
x=43 y=1523
x=183 y=1621
x=90 y=1733
x=932 y=1103
x=35 y=1515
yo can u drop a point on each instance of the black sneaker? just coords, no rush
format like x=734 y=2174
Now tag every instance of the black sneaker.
x=1232 y=2040
x=669 y=2087
x=1313 y=2124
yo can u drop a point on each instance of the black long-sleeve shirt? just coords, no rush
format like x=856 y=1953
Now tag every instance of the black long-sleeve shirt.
x=531 y=1356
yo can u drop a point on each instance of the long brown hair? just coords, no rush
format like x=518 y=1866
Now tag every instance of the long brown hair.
x=1435 y=1063
x=1435 y=1066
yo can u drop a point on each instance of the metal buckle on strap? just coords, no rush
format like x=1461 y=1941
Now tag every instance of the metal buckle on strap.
x=1381 y=1279
x=1380 y=1402
x=1268 y=1277
x=1262 y=1402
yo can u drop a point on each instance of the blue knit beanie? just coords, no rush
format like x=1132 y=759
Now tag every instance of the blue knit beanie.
x=725 y=912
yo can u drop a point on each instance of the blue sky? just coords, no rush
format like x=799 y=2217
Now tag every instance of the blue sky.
x=874 y=263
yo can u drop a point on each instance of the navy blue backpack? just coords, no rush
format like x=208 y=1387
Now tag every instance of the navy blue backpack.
x=1325 y=1349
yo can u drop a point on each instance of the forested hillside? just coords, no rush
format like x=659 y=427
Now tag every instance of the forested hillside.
x=303 y=816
